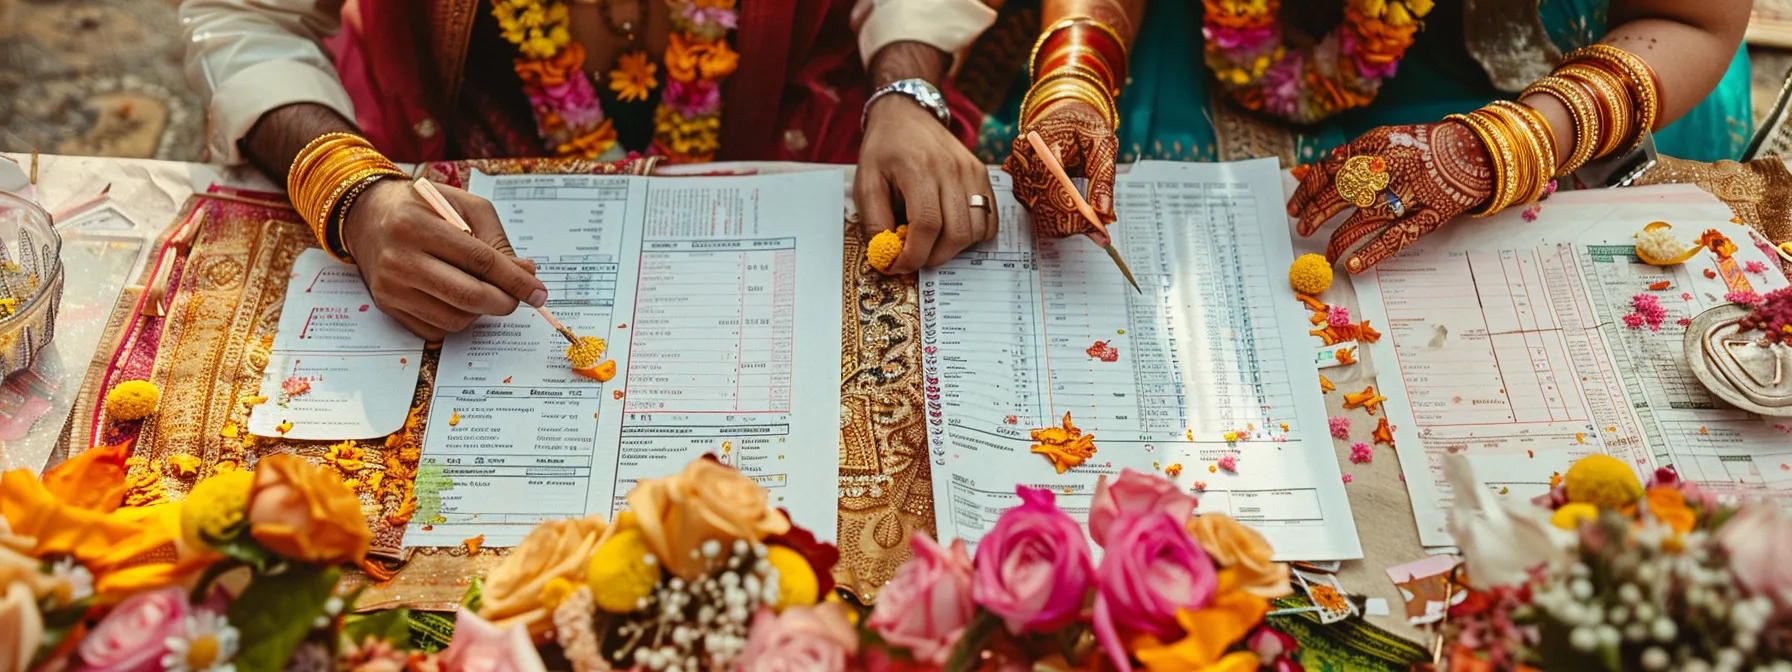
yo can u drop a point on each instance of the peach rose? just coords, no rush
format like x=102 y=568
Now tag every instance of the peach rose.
x=555 y=549
x=707 y=501
x=21 y=627
x=304 y=512
x=1242 y=550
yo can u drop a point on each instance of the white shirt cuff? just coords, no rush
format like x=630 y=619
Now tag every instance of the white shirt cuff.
x=240 y=100
x=948 y=25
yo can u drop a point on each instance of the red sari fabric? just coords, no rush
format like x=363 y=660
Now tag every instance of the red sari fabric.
x=392 y=56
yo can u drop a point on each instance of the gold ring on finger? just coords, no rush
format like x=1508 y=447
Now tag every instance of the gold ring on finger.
x=1361 y=179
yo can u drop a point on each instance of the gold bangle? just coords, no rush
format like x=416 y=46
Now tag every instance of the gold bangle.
x=1580 y=110
x=1053 y=89
x=1500 y=152
x=1608 y=92
x=1536 y=138
x=1068 y=21
x=1640 y=79
x=1059 y=78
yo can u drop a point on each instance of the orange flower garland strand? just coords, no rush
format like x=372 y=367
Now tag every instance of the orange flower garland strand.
x=1246 y=51
x=568 y=113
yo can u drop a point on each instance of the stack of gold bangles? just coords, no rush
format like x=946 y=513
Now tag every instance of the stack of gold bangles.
x=1612 y=97
x=1076 y=59
x=326 y=178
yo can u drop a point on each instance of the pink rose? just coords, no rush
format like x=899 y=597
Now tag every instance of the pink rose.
x=479 y=646
x=926 y=607
x=1150 y=569
x=1134 y=494
x=133 y=636
x=1759 y=539
x=1033 y=567
x=802 y=639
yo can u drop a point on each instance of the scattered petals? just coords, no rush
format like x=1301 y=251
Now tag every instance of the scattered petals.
x=1384 y=433
x=454 y=420
x=295 y=386
x=1066 y=446
x=1346 y=356
x=1229 y=463
x=1658 y=286
x=285 y=426
x=473 y=544
x=1361 y=453
x=1337 y=316
x=1340 y=427
x=229 y=431
x=1367 y=399
x=1325 y=384
x=1173 y=470
x=1755 y=267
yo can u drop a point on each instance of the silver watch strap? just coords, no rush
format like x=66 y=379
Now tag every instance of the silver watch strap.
x=918 y=90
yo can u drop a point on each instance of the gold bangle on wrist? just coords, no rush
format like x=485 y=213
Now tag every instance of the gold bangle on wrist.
x=324 y=174
x=1580 y=110
x=1638 y=77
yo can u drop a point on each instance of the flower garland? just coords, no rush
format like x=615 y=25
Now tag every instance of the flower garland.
x=688 y=119
x=1248 y=55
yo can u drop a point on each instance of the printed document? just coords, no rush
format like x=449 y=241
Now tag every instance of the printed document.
x=340 y=368
x=1205 y=377
x=719 y=299
x=1507 y=341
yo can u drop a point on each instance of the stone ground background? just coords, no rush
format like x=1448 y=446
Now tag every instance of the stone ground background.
x=103 y=77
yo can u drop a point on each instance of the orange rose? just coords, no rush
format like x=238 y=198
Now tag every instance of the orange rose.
x=718 y=60
x=557 y=549
x=304 y=512
x=706 y=502
x=95 y=479
x=1242 y=550
x=127 y=550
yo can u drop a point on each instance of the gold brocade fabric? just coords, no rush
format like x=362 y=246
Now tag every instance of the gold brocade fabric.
x=214 y=342
x=1759 y=192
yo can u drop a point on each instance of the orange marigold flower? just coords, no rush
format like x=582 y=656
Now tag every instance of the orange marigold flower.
x=718 y=60
x=682 y=57
x=553 y=71
x=633 y=77
x=1719 y=244
x=590 y=145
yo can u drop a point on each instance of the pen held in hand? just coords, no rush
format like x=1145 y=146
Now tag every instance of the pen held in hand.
x=1082 y=206
x=439 y=203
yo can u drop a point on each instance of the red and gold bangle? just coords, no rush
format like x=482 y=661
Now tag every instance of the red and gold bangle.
x=1082 y=57
x=1079 y=31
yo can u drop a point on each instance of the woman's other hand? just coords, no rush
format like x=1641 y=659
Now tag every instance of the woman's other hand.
x=1080 y=136
x=1434 y=173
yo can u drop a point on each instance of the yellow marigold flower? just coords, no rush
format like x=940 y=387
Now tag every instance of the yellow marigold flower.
x=1311 y=274
x=1419 y=7
x=797 y=585
x=216 y=508
x=622 y=572
x=133 y=400
x=883 y=249
x=346 y=456
x=1603 y=481
x=1570 y=516
x=633 y=78
x=1398 y=16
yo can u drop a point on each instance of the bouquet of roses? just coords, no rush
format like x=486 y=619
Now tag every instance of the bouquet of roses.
x=700 y=573
x=240 y=575
x=1172 y=591
x=1607 y=572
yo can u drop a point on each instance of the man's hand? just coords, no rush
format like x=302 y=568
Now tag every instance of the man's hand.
x=427 y=274
x=913 y=170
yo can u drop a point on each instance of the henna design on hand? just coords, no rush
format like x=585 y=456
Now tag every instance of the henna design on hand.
x=1439 y=171
x=1085 y=146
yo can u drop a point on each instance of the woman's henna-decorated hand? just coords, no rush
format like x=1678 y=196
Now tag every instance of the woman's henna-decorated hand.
x=1080 y=136
x=1438 y=171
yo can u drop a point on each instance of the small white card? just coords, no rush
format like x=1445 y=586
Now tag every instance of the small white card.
x=340 y=368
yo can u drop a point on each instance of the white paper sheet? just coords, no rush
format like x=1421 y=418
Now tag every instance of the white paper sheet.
x=1512 y=348
x=1010 y=333
x=361 y=365
x=707 y=290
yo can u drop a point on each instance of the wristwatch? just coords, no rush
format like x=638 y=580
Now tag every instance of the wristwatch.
x=919 y=90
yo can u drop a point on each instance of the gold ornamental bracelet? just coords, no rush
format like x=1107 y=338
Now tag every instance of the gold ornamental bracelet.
x=1051 y=91
x=1612 y=101
x=1096 y=90
x=1580 y=111
x=319 y=146
x=1501 y=154
x=1068 y=21
x=1524 y=150
x=1640 y=78
x=1538 y=137
x=333 y=171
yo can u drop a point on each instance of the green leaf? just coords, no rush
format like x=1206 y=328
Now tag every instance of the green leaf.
x=391 y=625
x=474 y=598
x=275 y=613
x=243 y=548
x=965 y=656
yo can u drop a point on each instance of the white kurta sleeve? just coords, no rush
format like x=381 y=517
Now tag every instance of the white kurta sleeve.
x=246 y=57
x=948 y=25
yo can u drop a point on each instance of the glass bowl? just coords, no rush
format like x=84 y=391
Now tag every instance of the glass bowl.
x=30 y=282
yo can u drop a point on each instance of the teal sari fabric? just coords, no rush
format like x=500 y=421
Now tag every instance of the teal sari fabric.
x=1165 y=113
